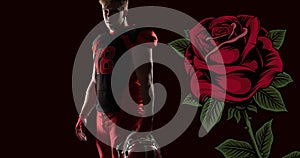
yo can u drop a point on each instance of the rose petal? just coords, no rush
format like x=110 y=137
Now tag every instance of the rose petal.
x=253 y=25
x=205 y=22
x=198 y=34
x=203 y=88
x=226 y=55
x=204 y=46
x=223 y=20
x=237 y=83
x=223 y=70
x=221 y=30
x=272 y=62
x=252 y=64
x=188 y=60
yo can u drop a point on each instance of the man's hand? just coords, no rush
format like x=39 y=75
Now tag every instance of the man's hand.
x=79 y=129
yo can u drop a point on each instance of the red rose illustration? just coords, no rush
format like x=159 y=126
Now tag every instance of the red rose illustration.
x=238 y=45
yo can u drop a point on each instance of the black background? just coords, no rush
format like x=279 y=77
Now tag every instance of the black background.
x=43 y=37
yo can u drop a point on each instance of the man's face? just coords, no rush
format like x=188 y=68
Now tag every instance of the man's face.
x=113 y=15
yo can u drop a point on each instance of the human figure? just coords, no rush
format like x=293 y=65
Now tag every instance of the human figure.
x=99 y=92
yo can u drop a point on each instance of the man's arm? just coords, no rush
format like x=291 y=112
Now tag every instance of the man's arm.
x=143 y=54
x=90 y=98
x=88 y=106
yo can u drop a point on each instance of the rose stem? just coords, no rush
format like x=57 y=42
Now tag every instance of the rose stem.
x=250 y=131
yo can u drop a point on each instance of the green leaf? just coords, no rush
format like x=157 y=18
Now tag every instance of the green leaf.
x=230 y=113
x=281 y=80
x=190 y=100
x=277 y=37
x=264 y=139
x=270 y=99
x=211 y=113
x=180 y=46
x=294 y=154
x=231 y=148
x=237 y=116
x=187 y=34
x=252 y=108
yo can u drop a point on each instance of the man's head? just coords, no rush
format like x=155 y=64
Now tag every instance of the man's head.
x=119 y=3
x=111 y=7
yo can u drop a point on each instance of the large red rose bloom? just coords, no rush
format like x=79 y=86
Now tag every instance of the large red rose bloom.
x=231 y=55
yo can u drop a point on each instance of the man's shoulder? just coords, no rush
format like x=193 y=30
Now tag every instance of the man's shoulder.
x=100 y=40
x=146 y=35
x=100 y=36
x=145 y=30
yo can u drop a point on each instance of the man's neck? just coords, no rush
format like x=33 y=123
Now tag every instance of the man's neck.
x=123 y=26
